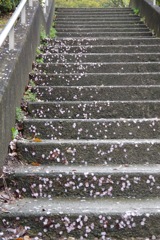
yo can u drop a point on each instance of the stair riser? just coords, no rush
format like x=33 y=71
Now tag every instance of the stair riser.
x=85 y=225
x=92 y=129
x=100 y=58
x=105 y=34
x=103 y=26
x=99 y=67
x=97 y=93
x=96 y=79
x=73 y=184
x=89 y=10
x=58 y=43
x=102 y=30
x=101 y=18
x=95 y=21
x=85 y=110
x=94 y=14
x=104 y=49
x=89 y=153
x=106 y=24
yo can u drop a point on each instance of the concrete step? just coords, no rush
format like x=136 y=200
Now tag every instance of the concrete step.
x=92 y=128
x=101 y=26
x=95 y=109
x=103 y=30
x=82 y=219
x=95 y=21
x=105 y=34
x=93 y=14
x=102 y=49
x=100 y=41
x=107 y=24
x=115 y=67
x=100 y=17
x=100 y=57
x=86 y=181
x=98 y=93
x=89 y=79
x=83 y=10
x=90 y=152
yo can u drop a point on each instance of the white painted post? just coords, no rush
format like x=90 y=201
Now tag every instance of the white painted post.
x=44 y=7
x=23 y=15
x=47 y=3
x=31 y=3
x=11 y=39
x=154 y=2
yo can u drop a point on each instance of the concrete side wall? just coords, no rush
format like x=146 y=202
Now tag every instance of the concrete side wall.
x=15 y=66
x=149 y=12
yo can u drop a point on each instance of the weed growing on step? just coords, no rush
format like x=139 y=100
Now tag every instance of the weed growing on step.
x=38 y=51
x=32 y=84
x=43 y=34
x=29 y=96
x=52 y=33
x=14 y=132
x=136 y=11
x=143 y=19
x=39 y=60
x=19 y=115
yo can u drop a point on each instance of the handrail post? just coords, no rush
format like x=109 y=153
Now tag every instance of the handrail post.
x=23 y=16
x=154 y=2
x=11 y=39
x=30 y=3
x=44 y=7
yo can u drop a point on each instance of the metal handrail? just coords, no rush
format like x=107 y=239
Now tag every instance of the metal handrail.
x=9 y=28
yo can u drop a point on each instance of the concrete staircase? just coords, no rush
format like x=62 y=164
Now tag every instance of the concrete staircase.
x=93 y=172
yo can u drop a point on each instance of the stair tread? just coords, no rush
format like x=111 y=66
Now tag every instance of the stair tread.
x=69 y=143
x=128 y=120
x=91 y=141
x=40 y=207
x=50 y=170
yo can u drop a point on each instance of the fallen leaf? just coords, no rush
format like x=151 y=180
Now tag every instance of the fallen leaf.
x=36 y=139
x=36 y=164
x=27 y=237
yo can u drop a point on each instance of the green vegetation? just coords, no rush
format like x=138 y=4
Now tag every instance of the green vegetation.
x=14 y=132
x=19 y=115
x=158 y=2
x=29 y=96
x=38 y=51
x=136 y=11
x=39 y=60
x=52 y=33
x=91 y=3
x=32 y=84
x=8 y=5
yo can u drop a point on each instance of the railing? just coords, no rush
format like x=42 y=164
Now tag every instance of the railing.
x=9 y=28
x=154 y=2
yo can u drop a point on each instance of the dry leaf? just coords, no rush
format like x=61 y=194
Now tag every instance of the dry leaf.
x=36 y=164
x=36 y=139
x=27 y=237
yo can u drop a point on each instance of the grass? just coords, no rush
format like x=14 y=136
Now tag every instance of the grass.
x=19 y=115
x=4 y=18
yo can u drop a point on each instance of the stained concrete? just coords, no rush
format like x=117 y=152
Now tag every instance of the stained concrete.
x=14 y=69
